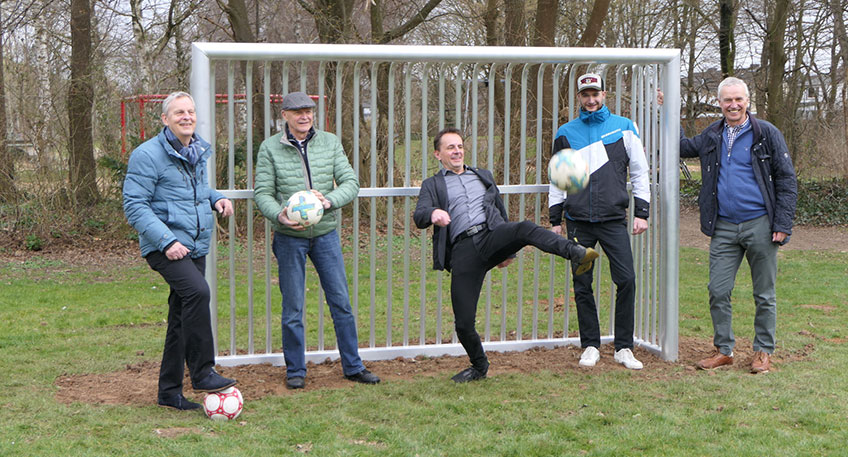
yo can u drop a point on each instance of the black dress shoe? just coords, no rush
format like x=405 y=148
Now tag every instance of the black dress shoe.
x=469 y=374
x=178 y=402
x=295 y=382
x=364 y=377
x=213 y=382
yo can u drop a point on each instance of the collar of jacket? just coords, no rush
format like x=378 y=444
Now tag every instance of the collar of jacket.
x=595 y=117
x=205 y=148
x=718 y=126
x=289 y=139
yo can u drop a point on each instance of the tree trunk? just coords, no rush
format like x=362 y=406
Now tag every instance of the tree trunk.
x=543 y=35
x=380 y=113
x=726 y=41
x=334 y=22
x=236 y=12
x=7 y=160
x=332 y=19
x=836 y=8
x=515 y=35
x=595 y=23
x=150 y=50
x=692 y=93
x=491 y=16
x=81 y=165
x=776 y=37
x=796 y=86
x=593 y=28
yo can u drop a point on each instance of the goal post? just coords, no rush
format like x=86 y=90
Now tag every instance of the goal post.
x=402 y=306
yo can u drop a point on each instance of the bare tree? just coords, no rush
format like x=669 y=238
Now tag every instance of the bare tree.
x=596 y=21
x=379 y=35
x=689 y=26
x=333 y=19
x=544 y=33
x=7 y=161
x=153 y=36
x=81 y=166
x=775 y=58
x=727 y=43
x=237 y=14
x=837 y=8
x=335 y=23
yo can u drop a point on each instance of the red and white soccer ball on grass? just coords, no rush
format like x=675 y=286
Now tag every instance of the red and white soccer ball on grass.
x=304 y=208
x=224 y=405
x=569 y=171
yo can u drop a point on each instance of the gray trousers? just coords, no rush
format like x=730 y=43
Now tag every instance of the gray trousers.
x=729 y=243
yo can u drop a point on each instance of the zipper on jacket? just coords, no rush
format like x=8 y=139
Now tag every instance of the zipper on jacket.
x=193 y=180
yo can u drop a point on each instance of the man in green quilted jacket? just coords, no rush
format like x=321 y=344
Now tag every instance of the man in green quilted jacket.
x=302 y=158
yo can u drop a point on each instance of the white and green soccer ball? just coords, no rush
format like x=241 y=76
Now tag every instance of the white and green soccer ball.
x=568 y=171
x=304 y=208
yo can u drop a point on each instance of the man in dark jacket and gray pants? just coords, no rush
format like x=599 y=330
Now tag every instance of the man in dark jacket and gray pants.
x=747 y=203
x=472 y=235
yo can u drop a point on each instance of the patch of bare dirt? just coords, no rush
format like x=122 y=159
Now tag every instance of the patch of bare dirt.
x=81 y=253
x=135 y=385
x=804 y=237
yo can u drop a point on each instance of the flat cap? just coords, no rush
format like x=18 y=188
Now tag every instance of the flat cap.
x=297 y=100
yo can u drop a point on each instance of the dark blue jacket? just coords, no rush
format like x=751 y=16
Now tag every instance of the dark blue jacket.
x=773 y=171
x=434 y=195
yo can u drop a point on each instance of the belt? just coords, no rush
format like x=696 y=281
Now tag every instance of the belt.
x=471 y=231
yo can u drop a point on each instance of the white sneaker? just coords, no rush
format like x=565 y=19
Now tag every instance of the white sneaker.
x=625 y=357
x=590 y=357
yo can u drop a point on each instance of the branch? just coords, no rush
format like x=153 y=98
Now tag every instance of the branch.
x=763 y=28
x=413 y=22
x=163 y=41
x=309 y=9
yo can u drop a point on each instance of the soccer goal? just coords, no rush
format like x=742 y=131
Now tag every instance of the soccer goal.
x=386 y=103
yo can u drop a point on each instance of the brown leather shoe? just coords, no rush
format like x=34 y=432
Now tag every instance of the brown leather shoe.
x=761 y=363
x=716 y=360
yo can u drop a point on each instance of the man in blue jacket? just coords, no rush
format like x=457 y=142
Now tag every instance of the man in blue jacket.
x=610 y=144
x=747 y=202
x=167 y=199
x=472 y=234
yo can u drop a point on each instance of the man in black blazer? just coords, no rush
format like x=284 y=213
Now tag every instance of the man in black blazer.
x=472 y=234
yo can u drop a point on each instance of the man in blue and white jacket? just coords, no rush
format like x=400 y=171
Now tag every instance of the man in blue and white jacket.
x=610 y=144
x=167 y=199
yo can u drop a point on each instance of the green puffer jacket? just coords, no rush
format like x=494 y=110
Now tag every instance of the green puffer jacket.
x=281 y=171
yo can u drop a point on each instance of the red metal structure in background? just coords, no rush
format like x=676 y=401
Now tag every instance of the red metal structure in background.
x=142 y=100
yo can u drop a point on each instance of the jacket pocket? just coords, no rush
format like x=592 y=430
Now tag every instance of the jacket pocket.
x=170 y=214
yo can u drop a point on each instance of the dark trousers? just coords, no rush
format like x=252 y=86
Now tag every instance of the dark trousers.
x=472 y=257
x=189 y=336
x=615 y=242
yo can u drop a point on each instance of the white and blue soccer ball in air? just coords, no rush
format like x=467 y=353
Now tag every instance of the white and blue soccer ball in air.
x=568 y=171
x=304 y=208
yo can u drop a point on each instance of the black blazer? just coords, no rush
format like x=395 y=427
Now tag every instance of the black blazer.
x=434 y=195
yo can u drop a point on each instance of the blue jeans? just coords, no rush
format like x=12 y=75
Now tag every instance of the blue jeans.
x=325 y=251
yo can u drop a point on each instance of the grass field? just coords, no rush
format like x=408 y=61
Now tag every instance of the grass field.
x=58 y=320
